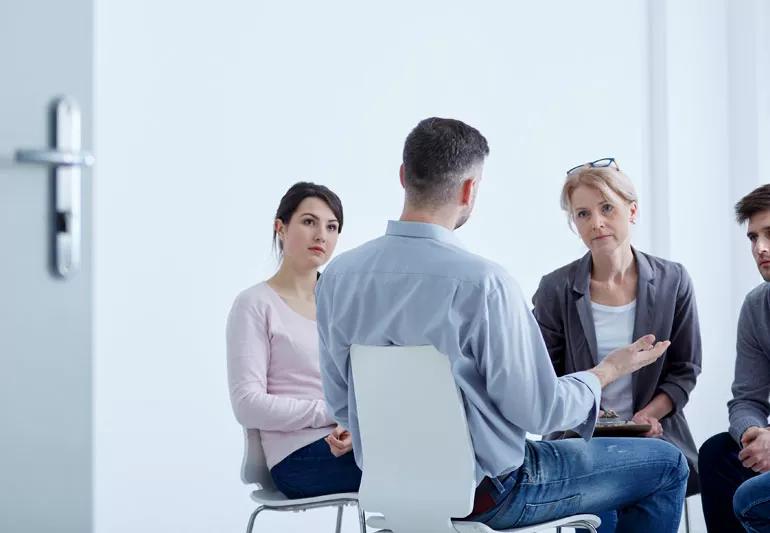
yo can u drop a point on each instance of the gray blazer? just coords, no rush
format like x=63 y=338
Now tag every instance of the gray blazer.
x=665 y=306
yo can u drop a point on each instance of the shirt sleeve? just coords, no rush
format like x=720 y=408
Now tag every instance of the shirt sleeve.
x=683 y=357
x=335 y=358
x=751 y=387
x=520 y=378
x=248 y=357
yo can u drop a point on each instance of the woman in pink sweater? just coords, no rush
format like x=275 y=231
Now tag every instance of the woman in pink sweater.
x=272 y=354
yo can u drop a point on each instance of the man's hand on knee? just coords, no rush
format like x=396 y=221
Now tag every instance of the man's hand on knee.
x=756 y=449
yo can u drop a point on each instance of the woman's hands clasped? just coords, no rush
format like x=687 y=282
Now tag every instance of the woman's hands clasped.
x=340 y=441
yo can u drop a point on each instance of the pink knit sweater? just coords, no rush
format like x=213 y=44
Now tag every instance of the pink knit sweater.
x=273 y=373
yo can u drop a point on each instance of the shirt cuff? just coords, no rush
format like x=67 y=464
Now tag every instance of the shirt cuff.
x=322 y=418
x=739 y=426
x=677 y=395
x=590 y=380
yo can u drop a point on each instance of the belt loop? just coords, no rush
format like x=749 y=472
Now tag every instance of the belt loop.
x=498 y=485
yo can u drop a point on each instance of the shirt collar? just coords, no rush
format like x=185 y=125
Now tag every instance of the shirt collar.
x=422 y=230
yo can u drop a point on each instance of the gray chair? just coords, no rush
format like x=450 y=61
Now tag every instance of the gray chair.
x=254 y=471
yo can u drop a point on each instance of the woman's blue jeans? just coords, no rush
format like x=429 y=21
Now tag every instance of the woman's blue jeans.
x=314 y=471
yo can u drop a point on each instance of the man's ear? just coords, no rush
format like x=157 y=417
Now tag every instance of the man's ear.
x=467 y=190
x=402 y=175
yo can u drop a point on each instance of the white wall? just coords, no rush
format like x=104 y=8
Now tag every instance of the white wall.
x=716 y=93
x=205 y=115
x=699 y=217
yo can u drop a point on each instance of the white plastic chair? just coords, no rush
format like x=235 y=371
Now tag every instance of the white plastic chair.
x=686 y=517
x=419 y=465
x=254 y=471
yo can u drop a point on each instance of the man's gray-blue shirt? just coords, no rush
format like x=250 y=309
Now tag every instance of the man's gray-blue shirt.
x=416 y=285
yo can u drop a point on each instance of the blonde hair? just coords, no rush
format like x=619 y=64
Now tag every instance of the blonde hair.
x=607 y=180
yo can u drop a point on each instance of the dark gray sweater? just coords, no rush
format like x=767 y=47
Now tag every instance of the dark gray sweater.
x=751 y=388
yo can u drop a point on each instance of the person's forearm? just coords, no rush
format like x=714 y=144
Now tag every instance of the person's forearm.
x=268 y=412
x=751 y=387
x=660 y=406
x=628 y=359
x=605 y=372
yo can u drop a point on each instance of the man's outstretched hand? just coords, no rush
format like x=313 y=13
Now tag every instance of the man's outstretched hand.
x=629 y=359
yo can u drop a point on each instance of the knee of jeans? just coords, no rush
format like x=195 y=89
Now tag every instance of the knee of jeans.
x=682 y=468
x=677 y=460
x=741 y=500
x=750 y=494
x=672 y=461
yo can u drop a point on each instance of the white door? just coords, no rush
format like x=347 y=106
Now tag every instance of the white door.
x=45 y=317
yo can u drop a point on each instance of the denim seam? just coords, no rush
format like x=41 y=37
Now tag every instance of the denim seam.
x=532 y=506
x=754 y=504
x=637 y=466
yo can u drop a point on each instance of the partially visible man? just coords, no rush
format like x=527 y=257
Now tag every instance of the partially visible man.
x=417 y=285
x=734 y=466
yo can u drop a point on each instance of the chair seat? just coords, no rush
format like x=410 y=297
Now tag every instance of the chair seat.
x=568 y=521
x=478 y=527
x=275 y=498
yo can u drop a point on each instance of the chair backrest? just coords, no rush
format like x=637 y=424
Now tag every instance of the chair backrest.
x=419 y=465
x=254 y=466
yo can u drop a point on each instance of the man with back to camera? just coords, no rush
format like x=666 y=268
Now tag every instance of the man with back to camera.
x=734 y=466
x=419 y=286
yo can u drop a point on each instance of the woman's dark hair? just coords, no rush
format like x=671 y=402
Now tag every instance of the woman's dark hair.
x=751 y=204
x=295 y=195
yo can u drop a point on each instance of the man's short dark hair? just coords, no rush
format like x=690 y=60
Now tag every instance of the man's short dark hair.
x=751 y=204
x=437 y=152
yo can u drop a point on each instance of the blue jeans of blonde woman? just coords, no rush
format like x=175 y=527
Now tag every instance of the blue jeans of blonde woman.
x=643 y=480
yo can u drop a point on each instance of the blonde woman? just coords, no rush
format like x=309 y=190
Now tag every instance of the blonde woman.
x=613 y=295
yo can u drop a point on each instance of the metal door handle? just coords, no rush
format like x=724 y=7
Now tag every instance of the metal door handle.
x=66 y=159
x=55 y=158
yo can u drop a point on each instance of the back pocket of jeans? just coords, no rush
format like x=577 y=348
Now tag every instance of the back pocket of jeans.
x=537 y=513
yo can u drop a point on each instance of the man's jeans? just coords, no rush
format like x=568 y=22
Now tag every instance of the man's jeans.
x=734 y=497
x=644 y=480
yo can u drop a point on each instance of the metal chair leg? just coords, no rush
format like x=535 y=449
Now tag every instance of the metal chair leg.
x=250 y=526
x=580 y=526
x=338 y=529
x=361 y=518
